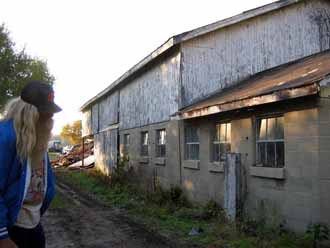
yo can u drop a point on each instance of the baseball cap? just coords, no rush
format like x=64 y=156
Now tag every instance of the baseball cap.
x=40 y=95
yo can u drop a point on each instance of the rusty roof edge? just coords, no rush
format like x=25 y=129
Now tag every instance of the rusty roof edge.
x=313 y=86
x=255 y=76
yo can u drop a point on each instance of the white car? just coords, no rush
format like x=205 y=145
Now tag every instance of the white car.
x=67 y=149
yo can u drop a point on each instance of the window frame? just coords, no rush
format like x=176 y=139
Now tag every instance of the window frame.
x=219 y=142
x=160 y=147
x=144 y=147
x=191 y=143
x=266 y=141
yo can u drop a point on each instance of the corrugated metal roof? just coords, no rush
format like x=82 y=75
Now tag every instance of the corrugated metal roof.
x=175 y=40
x=289 y=78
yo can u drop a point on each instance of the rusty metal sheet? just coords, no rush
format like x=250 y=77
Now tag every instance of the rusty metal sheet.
x=284 y=82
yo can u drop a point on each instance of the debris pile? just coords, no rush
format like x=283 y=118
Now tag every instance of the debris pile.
x=75 y=155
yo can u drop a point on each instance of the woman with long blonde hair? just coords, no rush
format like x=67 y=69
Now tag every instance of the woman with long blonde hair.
x=26 y=178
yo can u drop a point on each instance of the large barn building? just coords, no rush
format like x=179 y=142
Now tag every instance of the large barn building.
x=256 y=84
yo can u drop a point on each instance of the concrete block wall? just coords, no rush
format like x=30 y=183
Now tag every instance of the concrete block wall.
x=168 y=174
x=299 y=198
x=324 y=159
x=294 y=199
x=203 y=182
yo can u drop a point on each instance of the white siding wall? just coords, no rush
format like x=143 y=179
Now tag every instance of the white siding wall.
x=105 y=149
x=109 y=110
x=226 y=56
x=152 y=97
x=95 y=118
x=87 y=123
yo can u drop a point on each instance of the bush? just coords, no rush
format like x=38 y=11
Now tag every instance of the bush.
x=317 y=233
x=213 y=210
x=122 y=173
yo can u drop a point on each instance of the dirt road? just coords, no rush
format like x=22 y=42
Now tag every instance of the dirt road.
x=86 y=223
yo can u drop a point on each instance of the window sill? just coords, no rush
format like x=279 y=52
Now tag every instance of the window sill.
x=160 y=161
x=267 y=172
x=144 y=160
x=216 y=166
x=191 y=164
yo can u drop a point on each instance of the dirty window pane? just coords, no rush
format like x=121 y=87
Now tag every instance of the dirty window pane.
x=191 y=143
x=223 y=132
x=160 y=151
x=271 y=128
x=262 y=153
x=228 y=134
x=144 y=143
x=144 y=138
x=191 y=134
x=221 y=141
x=262 y=129
x=279 y=131
x=195 y=152
x=192 y=152
x=161 y=137
x=270 y=154
x=216 y=152
x=280 y=154
x=216 y=135
x=161 y=143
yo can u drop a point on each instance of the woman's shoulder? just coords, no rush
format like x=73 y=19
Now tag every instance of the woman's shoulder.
x=7 y=131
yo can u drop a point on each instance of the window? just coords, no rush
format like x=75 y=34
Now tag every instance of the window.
x=270 y=142
x=144 y=144
x=221 y=142
x=161 y=143
x=126 y=144
x=191 y=143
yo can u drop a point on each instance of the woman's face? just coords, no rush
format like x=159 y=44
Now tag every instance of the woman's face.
x=45 y=116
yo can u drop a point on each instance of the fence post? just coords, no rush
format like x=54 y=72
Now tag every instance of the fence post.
x=232 y=185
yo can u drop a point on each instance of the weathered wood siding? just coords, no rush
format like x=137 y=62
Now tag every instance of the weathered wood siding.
x=105 y=150
x=87 y=123
x=224 y=57
x=95 y=118
x=109 y=110
x=152 y=97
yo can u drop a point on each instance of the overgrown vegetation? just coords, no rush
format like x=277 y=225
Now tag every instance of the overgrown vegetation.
x=168 y=212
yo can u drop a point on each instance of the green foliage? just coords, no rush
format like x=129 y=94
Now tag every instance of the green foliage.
x=164 y=211
x=172 y=197
x=317 y=233
x=213 y=210
x=17 y=68
x=59 y=202
x=244 y=243
x=122 y=173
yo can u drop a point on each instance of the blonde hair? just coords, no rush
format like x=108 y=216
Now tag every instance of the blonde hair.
x=25 y=117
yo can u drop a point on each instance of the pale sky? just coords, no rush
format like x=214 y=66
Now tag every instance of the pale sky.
x=89 y=44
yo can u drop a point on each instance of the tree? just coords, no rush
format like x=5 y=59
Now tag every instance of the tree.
x=17 y=68
x=72 y=132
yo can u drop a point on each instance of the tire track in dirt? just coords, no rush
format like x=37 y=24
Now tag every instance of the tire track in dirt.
x=86 y=223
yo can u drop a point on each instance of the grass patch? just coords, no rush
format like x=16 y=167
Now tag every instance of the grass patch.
x=59 y=202
x=170 y=214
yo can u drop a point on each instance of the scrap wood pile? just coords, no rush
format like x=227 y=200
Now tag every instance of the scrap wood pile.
x=75 y=155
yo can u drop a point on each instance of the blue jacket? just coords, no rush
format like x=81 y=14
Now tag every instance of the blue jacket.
x=13 y=179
